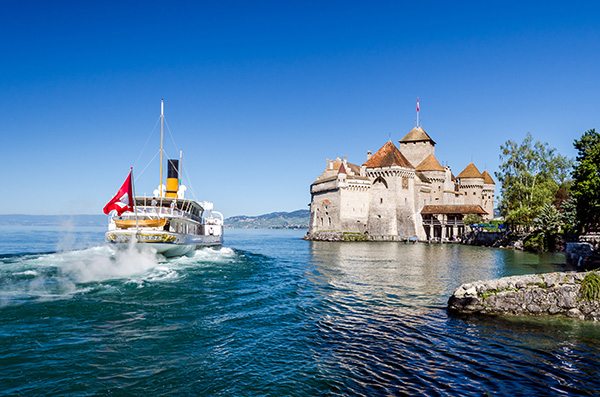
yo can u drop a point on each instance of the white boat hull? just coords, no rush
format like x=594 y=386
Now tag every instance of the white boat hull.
x=165 y=243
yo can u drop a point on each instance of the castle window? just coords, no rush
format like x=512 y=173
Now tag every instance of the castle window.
x=404 y=182
x=405 y=201
x=381 y=200
x=380 y=180
x=329 y=221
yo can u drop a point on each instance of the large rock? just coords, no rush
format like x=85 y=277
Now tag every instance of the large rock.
x=536 y=294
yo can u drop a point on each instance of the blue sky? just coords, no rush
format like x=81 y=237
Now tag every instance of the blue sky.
x=259 y=94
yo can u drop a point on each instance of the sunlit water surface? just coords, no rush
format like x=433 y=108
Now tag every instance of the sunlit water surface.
x=271 y=314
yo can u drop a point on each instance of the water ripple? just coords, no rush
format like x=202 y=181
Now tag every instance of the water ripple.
x=278 y=316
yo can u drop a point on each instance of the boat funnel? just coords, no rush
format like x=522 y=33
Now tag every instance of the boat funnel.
x=172 y=178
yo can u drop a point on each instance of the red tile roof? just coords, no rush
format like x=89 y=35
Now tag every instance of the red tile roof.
x=388 y=156
x=470 y=171
x=430 y=163
x=417 y=134
x=355 y=168
x=487 y=178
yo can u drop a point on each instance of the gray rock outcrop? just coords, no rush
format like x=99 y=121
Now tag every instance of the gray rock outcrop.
x=535 y=294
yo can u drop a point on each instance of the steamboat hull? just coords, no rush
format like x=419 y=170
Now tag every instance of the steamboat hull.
x=168 y=244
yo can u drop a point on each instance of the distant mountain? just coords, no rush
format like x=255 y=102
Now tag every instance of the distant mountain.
x=53 y=220
x=274 y=220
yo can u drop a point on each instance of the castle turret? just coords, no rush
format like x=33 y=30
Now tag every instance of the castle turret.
x=470 y=182
x=436 y=175
x=489 y=192
x=417 y=145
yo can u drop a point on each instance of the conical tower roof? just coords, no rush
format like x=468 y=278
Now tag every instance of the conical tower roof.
x=487 y=178
x=417 y=134
x=430 y=163
x=470 y=171
x=388 y=156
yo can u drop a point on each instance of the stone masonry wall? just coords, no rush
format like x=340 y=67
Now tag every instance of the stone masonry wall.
x=536 y=294
x=415 y=152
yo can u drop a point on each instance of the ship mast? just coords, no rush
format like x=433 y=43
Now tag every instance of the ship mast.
x=162 y=134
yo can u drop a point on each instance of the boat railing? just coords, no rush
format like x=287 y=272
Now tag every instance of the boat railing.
x=158 y=212
x=212 y=220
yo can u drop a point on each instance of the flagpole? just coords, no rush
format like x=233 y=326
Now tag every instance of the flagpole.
x=418 y=109
x=162 y=133
x=137 y=227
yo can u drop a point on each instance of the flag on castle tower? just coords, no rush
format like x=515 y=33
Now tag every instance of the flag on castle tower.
x=418 y=107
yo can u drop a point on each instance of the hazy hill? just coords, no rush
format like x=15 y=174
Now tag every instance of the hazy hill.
x=53 y=220
x=274 y=220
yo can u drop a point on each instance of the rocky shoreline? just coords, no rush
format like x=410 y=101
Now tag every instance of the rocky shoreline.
x=571 y=294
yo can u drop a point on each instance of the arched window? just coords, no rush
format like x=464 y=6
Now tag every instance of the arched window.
x=380 y=180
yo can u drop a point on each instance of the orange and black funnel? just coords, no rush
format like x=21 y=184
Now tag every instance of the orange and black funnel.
x=172 y=178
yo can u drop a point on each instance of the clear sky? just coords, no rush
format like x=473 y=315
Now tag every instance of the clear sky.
x=259 y=94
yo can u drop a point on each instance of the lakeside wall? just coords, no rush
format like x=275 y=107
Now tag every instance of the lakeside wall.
x=576 y=295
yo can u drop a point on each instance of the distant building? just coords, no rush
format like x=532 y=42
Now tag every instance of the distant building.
x=399 y=193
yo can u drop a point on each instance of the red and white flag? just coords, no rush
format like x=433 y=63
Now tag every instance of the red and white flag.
x=123 y=200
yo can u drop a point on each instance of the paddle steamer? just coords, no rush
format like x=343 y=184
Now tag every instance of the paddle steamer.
x=167 y=222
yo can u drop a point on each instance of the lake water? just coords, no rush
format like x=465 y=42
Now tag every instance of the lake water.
x=271 y=314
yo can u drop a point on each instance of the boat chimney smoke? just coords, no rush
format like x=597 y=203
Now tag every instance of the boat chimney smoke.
x=172 y=178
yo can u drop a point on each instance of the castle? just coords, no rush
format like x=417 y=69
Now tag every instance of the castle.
x=397 y=194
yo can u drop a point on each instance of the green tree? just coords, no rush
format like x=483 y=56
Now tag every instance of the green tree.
x=531 y=174
x=586 y=181
x=548 y=224
x=472 y=219
x=568 y=212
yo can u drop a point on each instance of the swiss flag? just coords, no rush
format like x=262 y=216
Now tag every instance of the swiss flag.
x=123 y=200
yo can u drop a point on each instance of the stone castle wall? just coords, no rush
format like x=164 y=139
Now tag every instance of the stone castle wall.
x=415 y=152
x=354 y=208
x=385 y=202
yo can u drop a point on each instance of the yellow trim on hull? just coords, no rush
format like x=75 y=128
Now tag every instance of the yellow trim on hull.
x=129 y=223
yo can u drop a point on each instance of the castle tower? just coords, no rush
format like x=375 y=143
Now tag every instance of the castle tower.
x=391 y=197
x=417 y=145
x=431 y=168
x=489 y=191
x=471 y=183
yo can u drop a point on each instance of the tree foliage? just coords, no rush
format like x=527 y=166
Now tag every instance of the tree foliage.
x=568 y=212
x=548 y=225
x=531 y=173
x=472 y=219
x=586 y=181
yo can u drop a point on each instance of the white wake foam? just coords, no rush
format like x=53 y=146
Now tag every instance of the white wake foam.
x=64 y=274
x=104 y=263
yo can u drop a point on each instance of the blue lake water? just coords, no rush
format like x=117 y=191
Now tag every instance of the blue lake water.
x=271 y=314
